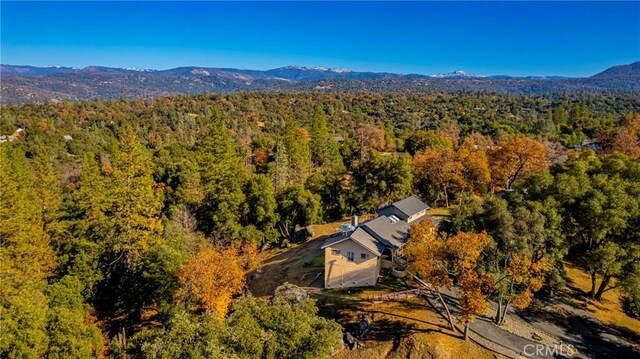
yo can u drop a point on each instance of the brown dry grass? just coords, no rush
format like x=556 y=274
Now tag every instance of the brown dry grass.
x=403 y=329
x=440 y=211
x=609 y=310
x=279 y=265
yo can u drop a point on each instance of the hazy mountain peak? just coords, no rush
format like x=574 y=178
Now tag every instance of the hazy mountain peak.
x=457 y=74
x=305 y=68
x=200 y=72
x=631 y=70
x=138 y=69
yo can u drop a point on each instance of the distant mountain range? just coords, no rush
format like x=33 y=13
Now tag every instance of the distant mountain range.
x=630 y=71
x=23 y=84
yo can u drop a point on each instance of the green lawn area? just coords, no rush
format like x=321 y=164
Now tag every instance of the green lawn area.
x=391 y=283
x=317 y=261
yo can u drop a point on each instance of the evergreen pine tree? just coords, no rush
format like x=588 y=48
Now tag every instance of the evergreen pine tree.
x=282 y=165
x=135 y=206
x=26 y=260
x=297 y=143
x=222 y=176
x=324 y=149
x=48 y=190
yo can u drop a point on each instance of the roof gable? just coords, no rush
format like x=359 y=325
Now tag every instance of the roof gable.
x=410 y=206
x=359 y=236
x=365 y=239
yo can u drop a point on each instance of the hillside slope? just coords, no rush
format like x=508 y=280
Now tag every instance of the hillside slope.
x=24 y=84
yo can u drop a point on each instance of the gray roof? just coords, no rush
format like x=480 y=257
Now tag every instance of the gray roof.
x=367 y=241
x=359 y=236
x=336 y=238
x=390 y=233
x=410 y=206
x=382 y=232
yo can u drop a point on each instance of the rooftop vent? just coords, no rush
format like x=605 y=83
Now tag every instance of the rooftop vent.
x=346 y=228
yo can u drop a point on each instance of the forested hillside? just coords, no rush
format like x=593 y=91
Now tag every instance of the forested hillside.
x=25 y=84
x=128 y=226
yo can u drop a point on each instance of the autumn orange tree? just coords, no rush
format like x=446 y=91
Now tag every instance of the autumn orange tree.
x=426 y=251
x=516 y=281
x=626 y=138
x=451 y=132
x=528 y=275
x=465 y=251
x=517 y=159
x=473 y=156
x=211 y=278
x=369 y=136
x=440 y=168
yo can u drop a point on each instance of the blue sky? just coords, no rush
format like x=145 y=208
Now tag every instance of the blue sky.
x=515 y=38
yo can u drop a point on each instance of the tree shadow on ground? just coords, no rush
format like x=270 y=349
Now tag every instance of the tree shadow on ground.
x=387 y=329
x=335 y=307
x=588 y=335
x=391 y=329
x=434 y=324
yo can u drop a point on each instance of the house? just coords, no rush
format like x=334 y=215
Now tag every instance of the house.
x=594 y=145
x=5 y=138
x=408 y=209
x=355 y=256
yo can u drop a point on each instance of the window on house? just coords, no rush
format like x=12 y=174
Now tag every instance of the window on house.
x=350 y=256
x=364 y=256
x=335 y=252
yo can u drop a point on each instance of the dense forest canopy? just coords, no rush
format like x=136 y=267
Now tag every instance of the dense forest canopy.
x=128 y=226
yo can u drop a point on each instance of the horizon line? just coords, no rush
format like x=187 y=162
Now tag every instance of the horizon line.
x=321 y=68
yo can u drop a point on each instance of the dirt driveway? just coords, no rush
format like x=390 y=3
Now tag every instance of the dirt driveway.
x=291 y=265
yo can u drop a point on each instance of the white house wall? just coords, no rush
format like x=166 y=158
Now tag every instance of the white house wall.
x=339 y=272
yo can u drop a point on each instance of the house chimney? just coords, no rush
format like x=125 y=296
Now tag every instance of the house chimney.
x=354 y=220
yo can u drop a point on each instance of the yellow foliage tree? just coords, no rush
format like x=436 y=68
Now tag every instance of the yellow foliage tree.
x=474 y=290
x=211 y=278
x=427 y=253
x=440 y=167
x=517 y=159
x=475 y=162
x=465 y=250
x=529 y=276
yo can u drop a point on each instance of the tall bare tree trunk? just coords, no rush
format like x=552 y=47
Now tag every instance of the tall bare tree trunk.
x=504 y=312
x=466 y=329
x=446 y=309
x=446 y=196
